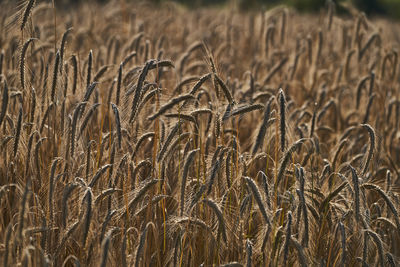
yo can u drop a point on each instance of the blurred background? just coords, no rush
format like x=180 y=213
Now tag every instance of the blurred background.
x=386 y=8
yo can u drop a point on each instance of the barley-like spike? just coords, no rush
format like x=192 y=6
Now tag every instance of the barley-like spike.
x=73 y=126
x=128 y=58
x=275 y=69
x=390 y=259
x=119 y=82
x=100 y=73
x=265 y=187
x=4 y=103
x=37 y=162
x=339 y=149
x=45 y=116
x=140 y=141
x=141 y=192
x=282 y=118
x=324 y=204
x=214 y=170
x=219 y=215
x=75 y=74
x=33 y=105
x=368 y=44
x=188 y=162
x=55 y=75
x=201 y=81
x=88 y=216
x=98 y=174
x=228 y=174
x=287 y=239
x=89 y=69
x=51 y=189
x=356 y=192
x=63 y=42
x=387 y=200
x=300 y=252
x=22 y=214
x=108 y=218
x=225 y=89
x=139 y=86
x=245 y=109
x=87 y=118
x=28 y=154
x=140 y=248
x=367 y=111
x=263 y=128
x=17 y=132
x=360 y=86
x=174 y=101
x=105 y=244
x=27 y=12
x=257 y=197
x=167 y=142
x=379 y=245
x=118 y=123
x=388 y=181
x=22 y=62
x=372 y=135
x=89 y=91
x=64 y=206
x=305 y=217
x=286 y=159
x=197 y=196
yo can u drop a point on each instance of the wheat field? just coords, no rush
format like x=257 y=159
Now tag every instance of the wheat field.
x=133 y=134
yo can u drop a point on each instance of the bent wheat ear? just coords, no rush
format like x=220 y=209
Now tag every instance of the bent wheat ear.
x=22 y=62
x=286 y=159
x=89 y=68
x=139 y=86
x=139 y=251
x=75 y=74
x=257 y=197
x=188 y=162
x=88 y=216
x=371 y=133
x=63 y=42
x=225 y=89
x=118 y=123
x=18 y=132
x=105 y=244
x=4 y=103
x=119 y=82
x=75 y=118
x=378 y=243
x=218 y=213
x=27 y=12
x=356 y=192
x=387 y=200
x=170 y=104
x=288 y=236
x=263 y=128
x=87 y=118
x=55 y=75
x=282 y=118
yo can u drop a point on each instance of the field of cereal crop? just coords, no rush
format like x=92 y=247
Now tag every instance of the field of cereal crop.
x=134 y=134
